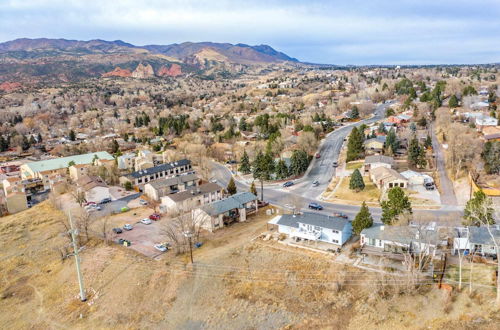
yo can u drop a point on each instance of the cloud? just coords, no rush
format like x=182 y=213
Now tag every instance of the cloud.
x=342 y=32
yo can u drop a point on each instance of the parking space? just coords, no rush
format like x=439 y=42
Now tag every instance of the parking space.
x=421 y=192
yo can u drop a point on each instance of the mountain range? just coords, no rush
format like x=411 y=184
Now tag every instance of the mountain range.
x=50 y=60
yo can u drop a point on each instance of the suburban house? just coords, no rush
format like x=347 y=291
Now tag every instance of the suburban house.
x=387 y=178
x=476 y=240
x=375 y=144
x=192 y=197
x=381 y=239
x=233 y=208
x=372 y=162
x=314 y=227
x=140 y=178
x=94 y=188
x=43 y=168
x=416 y=178
x=159 y=188
x=485 y=121
x=491 y=133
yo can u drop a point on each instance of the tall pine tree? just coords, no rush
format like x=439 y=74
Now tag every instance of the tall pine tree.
x=245 y=164
x=356 y=183
x=362 y=220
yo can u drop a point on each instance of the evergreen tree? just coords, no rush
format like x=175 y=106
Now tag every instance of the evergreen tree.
x=245 y=164
x=4 y=145
x=299 y=162
x=413 y=151
x=381 y=129
x=362 y=220
x=39 y=138
x=356 y=183
x=32 y=140
x=479 y=210
x=253 y=190
x=115 y=147
x=355 y=112
x=72 y=135
x=355 y=148
x=428 y=141
x=397 y=204
x=453 y=102
x=281 y=170
x=26 y=143
x=392 y=140
x=231 y=187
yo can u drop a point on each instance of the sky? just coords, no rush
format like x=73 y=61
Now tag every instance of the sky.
x=318 y=31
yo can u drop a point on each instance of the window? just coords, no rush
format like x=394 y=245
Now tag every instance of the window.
x=317 y=228
x=335 y=231
x=335 y=241
x=402 y=185
x=371 y=241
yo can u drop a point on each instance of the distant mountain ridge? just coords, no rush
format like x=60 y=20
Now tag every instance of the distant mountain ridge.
x=239 y=53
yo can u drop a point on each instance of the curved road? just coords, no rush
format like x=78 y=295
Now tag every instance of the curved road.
x=321 y=169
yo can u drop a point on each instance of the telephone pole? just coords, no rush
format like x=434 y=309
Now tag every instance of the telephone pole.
x=189 y=235
x=73 y=232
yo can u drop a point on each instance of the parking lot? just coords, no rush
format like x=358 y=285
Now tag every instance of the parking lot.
x=143 y=237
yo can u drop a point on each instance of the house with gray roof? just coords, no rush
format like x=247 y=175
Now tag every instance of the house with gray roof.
x=216 y=215
x=476 y=240
x=375 y=161
x=395 y=240
x=192 y=197
x=314 y=227
x=167 y=170
x=163 y=187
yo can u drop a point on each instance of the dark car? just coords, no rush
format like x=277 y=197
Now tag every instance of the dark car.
x=429 y=185
x=117 y=230
x=106 y=200
x=340 y=215
x=125 y=242
x=288 y=184
x=315 y=206
x=335 y=164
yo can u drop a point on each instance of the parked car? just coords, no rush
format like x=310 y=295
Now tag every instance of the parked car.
x=143 y=202
x=154 y=216
x=90 y=203
x=161 y=247
x=125 y=242
x=213 y=180
x=128 y=227
x=315 y=183
x=117 y=230
x=288 y=184
x=429 y=185
x=315 y=206
x=105 y=200
x=335 y=164
x=340 y=215
x=318 y=155
x=146 y=221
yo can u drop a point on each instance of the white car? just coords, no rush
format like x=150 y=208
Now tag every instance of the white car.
x=146 y=221
x=161 y=247
x=143 y=202
x=128 y=227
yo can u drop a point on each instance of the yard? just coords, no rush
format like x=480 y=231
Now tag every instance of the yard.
x=482 y=274
x=370 y=194
x=354 y=165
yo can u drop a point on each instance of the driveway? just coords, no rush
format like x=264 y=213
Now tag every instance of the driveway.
x=144 y=237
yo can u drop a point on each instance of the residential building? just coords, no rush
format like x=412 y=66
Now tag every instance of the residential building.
x=94 y=187
x=233 y=208
x=193 y=197
x=314 y=227
x=416 y=178
x=126 y=161
x=386 y=240
x=476 y=240
x=76 y=172
x=387 y=178
x=485 y=121
x=16 y=201
x=42 y=169
x=375 y=161
x=375 y=144
x=140 y=178
x=159 y=188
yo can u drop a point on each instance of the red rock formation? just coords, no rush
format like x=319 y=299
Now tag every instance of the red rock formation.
x=174 y=71
x=10 y=86
x=143 y=71
x=118 y=72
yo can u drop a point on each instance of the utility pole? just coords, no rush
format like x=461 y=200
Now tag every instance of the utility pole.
x=77 y=259
x=189 y=235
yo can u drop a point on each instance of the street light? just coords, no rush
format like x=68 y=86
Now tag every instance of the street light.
x=189 y=235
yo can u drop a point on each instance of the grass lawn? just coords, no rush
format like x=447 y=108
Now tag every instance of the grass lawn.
x=354 y=165
x=481 y=273
x=370 y=194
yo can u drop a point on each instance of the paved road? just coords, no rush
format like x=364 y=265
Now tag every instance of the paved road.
x=447 y=193
x=303 y=192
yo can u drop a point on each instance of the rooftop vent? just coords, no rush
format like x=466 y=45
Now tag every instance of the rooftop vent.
x=382 y=227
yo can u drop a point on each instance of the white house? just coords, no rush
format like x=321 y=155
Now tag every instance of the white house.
x=193 y=197
x=476 y=240
x=416 y=178
x=399 y=239
x=387 y=178
x=485 y=121
x=314 y=227
x=372 y=162
x=126 y=161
